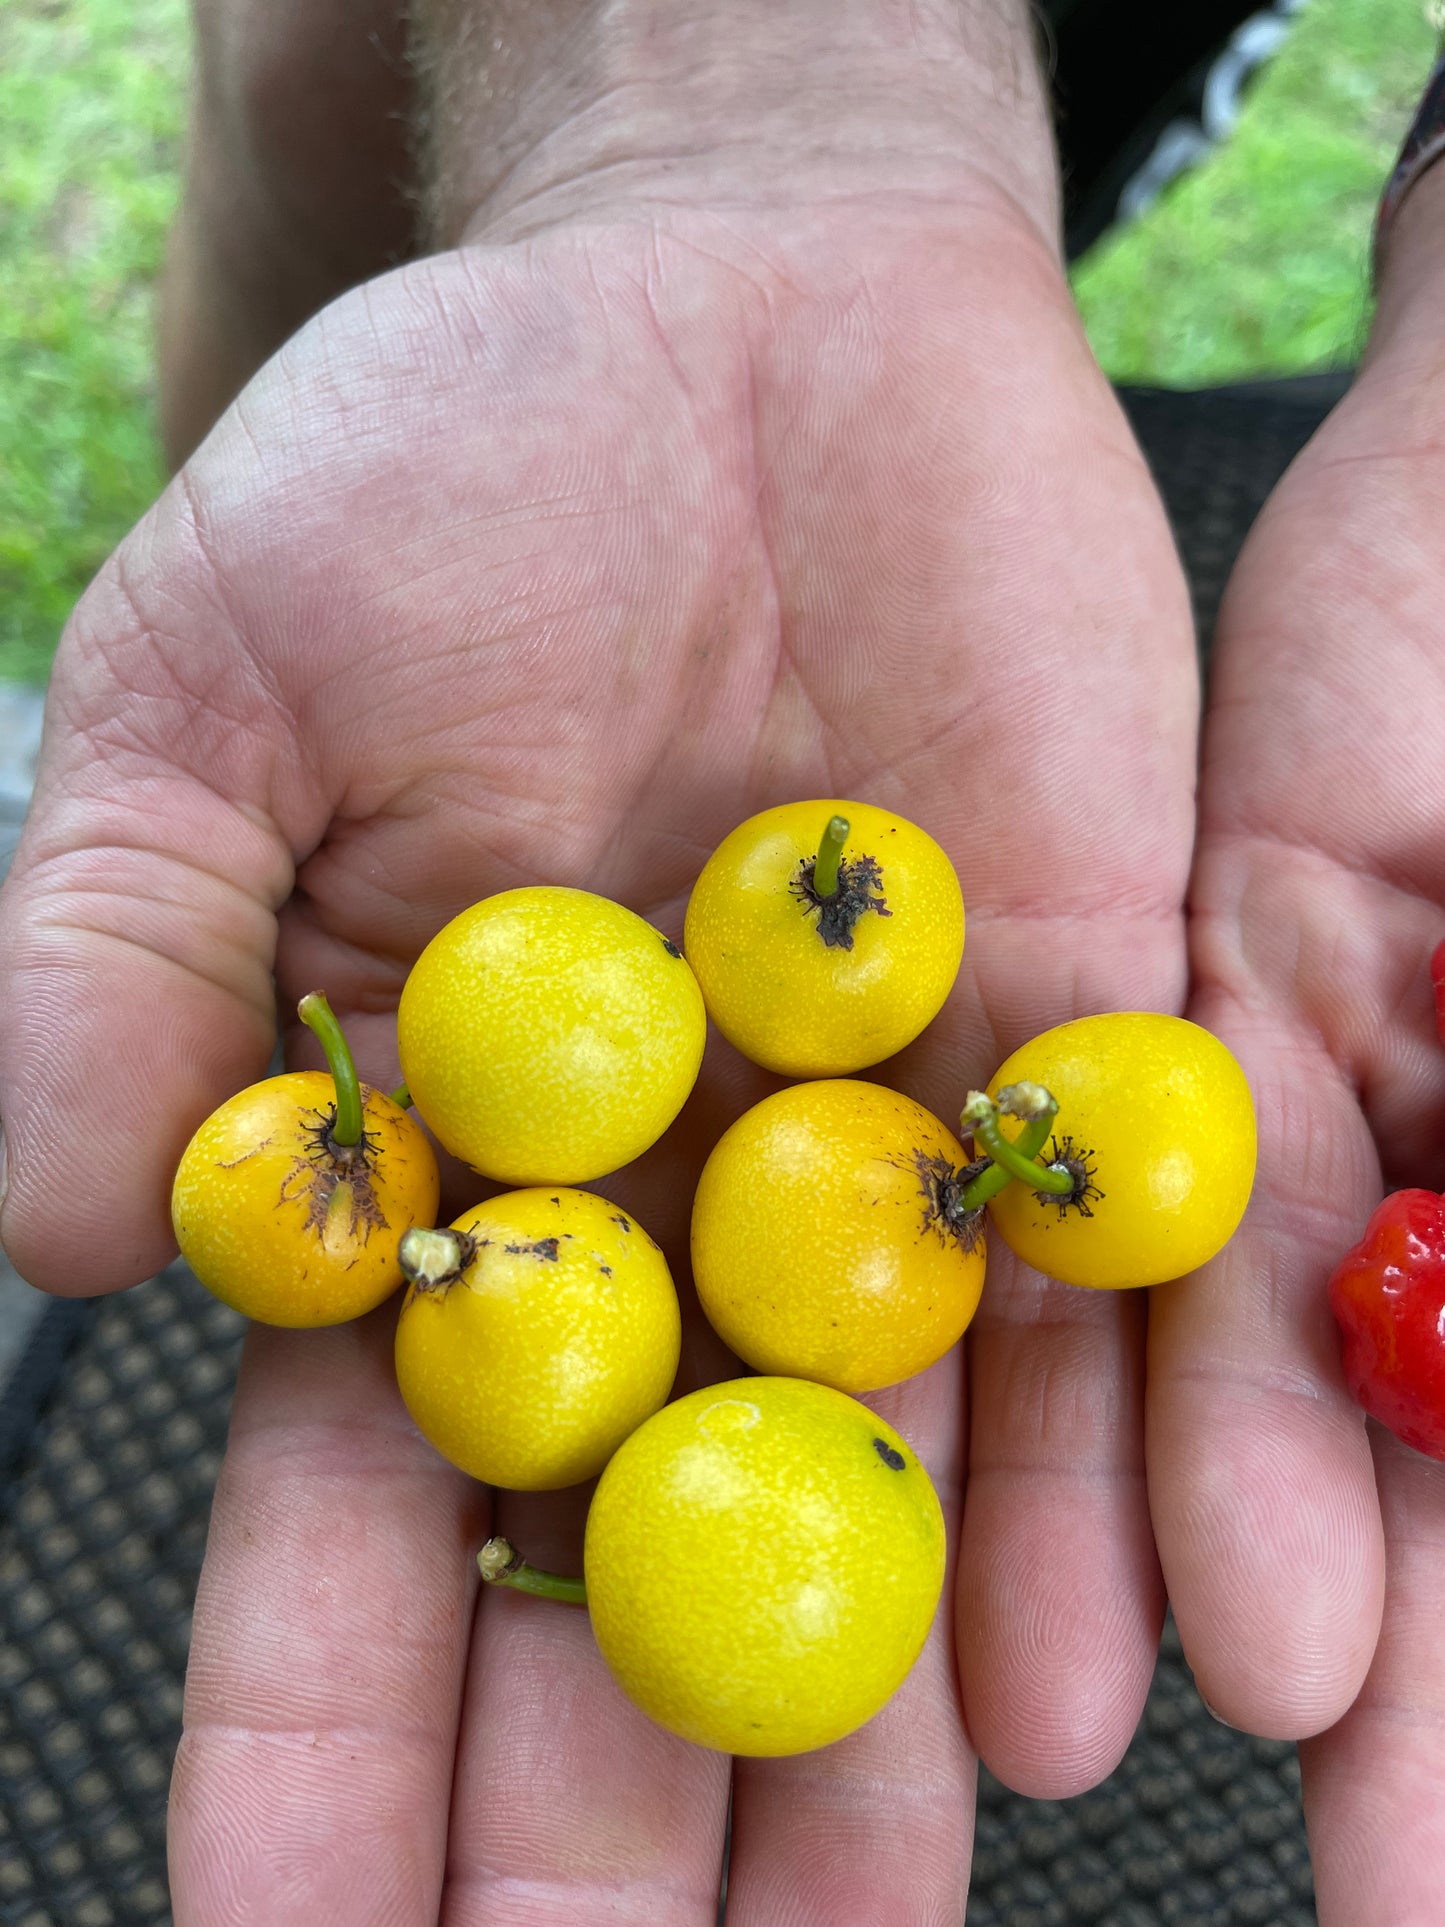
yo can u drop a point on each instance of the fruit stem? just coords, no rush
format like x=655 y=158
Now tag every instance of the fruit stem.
x=401 y=1097
x=500 y=1564
x=318 y=1016
x=994 y=1177
x=1036 y=1107
x=830 y=854
x=431 y=1259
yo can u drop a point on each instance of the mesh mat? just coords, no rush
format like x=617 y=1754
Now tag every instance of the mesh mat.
x=111 y=1435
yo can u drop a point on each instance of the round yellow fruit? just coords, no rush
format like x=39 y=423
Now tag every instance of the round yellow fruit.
x=819 y=989
x=763 y=1562
x=1157 y=1117
x=548 y=1036
x=822 y=1241
x=556 y=1336
x=285 y=1226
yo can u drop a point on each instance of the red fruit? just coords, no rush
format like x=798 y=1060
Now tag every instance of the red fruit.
x=1437 y=978
x=1388 y=1296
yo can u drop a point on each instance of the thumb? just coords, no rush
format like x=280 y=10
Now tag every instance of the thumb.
x=138 y=922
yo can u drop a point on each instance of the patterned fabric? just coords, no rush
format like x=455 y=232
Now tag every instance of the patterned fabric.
x=1424 y=144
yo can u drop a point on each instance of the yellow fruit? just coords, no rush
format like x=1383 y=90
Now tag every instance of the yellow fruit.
x=557 y=1338
x=1157 y=1112
x=548 y=1036
x=763 y=1562
x=284 y=1226
x=821 y=1240
x=791 y=982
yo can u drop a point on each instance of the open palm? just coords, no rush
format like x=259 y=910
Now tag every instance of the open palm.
x=1304 y=1551
x=549 y=563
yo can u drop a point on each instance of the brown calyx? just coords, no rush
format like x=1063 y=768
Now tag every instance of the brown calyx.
x=325 y=1165
x=858 y=892
x=943 y=1184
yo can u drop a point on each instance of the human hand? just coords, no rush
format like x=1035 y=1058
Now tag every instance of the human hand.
x=1304 y=1552
x=673 y=489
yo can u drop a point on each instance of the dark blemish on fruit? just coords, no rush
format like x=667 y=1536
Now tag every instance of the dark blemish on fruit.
x=606 y=1270
x=857 y=893
x=669 y=946
x=538 y=1248
x=895 y=1461
x=557 y=1202
x=942 y=1186
x=1074 y=1160
x=622 y=1222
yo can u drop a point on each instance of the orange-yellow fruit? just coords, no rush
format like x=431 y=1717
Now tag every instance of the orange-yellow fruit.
x=287 y=1229
x=816 y=990
x=822 y=1245
x=1159 y=1115
x=557 y=1339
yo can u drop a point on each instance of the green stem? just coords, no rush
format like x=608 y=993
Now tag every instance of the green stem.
x=980 y=1117
x=318 y=1016
x=993 y=1178
x=401 y=1097
x=830 y=854
x=500 y=1564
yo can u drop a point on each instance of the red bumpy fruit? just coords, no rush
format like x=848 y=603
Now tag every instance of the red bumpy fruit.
x=1388 y=1295
x=1437 y=978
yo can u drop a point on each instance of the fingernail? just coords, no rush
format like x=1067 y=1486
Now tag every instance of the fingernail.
x=1218 y=1716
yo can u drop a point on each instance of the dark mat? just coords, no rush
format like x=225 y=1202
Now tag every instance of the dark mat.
x=115 y=1424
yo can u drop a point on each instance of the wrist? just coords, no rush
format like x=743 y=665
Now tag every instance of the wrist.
x=596 y=108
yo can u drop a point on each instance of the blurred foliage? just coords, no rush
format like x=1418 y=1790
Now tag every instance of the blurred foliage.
x=92 y=105
x=1256 y=262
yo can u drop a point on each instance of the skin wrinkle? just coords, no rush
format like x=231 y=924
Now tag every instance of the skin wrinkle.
x=1236 y=1377
x=343 y=1736
x=593 y=80
x=216 y=980
x=202 y=771
x=104 y=886
x=494 y=1888
x=1356 y=864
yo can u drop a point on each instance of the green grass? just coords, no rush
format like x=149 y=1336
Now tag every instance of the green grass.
x=1255 y=263
x=92 y=103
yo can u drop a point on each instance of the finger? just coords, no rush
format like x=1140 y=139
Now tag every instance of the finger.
x=841 y=1833
x=137 y=924
x=329 y=1647
x=570 y=1804
x=1060 y=1600
x=1372 y=1782
x=1314 y=921
x=1260 y=1478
